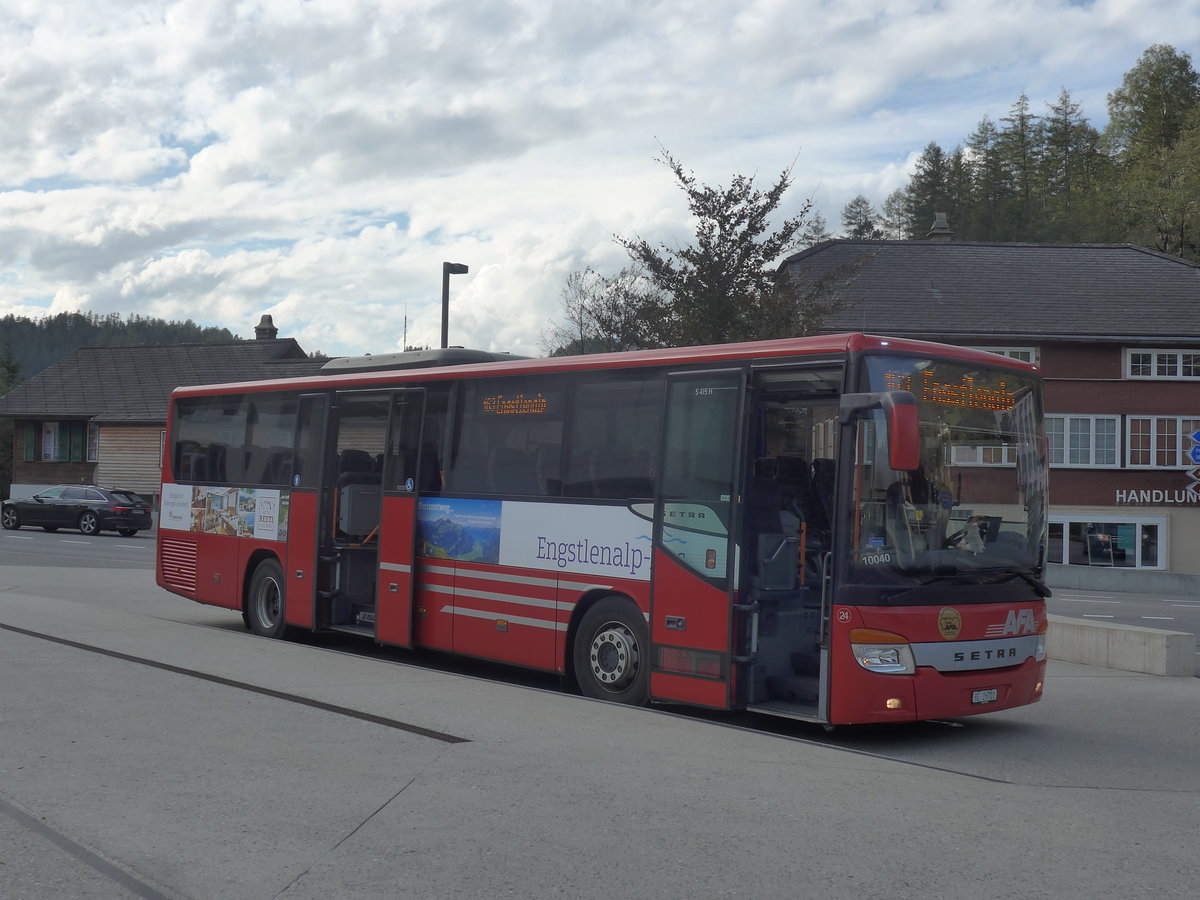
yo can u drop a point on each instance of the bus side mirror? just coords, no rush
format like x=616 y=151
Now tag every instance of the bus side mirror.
x=900 y=410
x=904 y=439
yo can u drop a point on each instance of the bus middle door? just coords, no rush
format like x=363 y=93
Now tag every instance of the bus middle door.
x=695 y=558
x=402 y=483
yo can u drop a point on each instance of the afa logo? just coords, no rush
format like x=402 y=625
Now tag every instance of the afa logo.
x=949 y=623
x=1019 y=621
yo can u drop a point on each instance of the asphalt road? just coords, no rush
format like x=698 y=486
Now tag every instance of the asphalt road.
x=150 y=747
x=107 y=550
x=1173 y=612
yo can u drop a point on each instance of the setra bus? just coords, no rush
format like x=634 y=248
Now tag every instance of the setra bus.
x=838 y=529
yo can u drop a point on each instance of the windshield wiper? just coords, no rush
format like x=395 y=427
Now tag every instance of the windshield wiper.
x=975 y=576
x=958 y=577
x=1040 y=586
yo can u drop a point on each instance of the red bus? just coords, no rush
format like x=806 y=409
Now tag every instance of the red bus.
x=839 y=529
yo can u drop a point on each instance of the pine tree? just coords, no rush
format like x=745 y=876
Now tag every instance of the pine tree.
x=859 y=220
x=927 y=192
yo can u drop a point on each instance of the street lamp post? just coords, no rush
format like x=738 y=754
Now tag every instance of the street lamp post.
x=448 y=269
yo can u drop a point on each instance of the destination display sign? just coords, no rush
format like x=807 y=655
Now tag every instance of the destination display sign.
x=970 y=392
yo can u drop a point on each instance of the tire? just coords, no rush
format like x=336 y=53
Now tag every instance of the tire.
x=127 y=532
x=89 y=524
x=612 y=653
x=50 y=528
x=266 y=601
x=10 y=518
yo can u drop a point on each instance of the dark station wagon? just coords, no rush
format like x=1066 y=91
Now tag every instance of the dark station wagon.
x=89 y=508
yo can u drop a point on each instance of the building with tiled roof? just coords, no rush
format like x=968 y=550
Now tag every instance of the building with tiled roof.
x=98 y=415
x=1116 y=332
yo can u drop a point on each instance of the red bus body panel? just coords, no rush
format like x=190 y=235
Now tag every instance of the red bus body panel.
x=857 y=695
x=299 y=558
x=394 y=580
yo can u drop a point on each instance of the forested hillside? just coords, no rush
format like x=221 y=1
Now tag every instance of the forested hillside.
x=1052 y=177
x=36 y=344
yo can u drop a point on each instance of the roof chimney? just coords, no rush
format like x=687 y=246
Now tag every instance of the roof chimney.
x=265 y=330
x=941 y=230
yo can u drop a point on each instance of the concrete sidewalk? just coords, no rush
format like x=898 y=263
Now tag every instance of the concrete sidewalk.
x=186 y=787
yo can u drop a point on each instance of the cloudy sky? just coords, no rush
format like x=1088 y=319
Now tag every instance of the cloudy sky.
x=220 y=159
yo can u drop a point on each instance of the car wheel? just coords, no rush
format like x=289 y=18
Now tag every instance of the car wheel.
x=10 y=518
x=127 y=532
x=89 y=524
x=612 y=653
x=266 y=601
x=50 y=528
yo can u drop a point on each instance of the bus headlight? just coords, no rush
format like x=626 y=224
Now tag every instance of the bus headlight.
x=882 y=652
x=1040 y=653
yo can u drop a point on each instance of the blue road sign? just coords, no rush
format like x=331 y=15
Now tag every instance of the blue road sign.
x=1196 y=436
x=1194 y=453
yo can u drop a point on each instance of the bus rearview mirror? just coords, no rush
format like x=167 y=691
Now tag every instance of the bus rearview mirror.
x=903 y=431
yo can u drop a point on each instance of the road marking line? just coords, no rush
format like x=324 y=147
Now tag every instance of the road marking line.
x=1097 y=616
x=1085 y=600
x=1092 y=596
x=85 y=543
x=1161 y=618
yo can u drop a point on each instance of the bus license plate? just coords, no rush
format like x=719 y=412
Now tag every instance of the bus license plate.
x=988 y=696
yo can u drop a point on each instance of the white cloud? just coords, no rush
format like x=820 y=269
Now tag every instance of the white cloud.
x=217 y=159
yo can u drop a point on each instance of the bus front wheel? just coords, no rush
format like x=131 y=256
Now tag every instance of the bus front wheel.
x=266 y=600
x=612 y=653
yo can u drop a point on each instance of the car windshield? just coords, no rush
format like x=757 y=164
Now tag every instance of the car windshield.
x=975 y=509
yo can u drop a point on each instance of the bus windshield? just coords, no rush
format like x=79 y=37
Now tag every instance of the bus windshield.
x=975 y=508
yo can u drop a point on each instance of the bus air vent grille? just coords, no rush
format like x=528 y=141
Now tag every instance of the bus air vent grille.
x=178 y=561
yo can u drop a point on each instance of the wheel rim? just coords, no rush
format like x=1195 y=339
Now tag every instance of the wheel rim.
x=614 y=657
x=266 y=603
x=87 y=524
x=10 y=518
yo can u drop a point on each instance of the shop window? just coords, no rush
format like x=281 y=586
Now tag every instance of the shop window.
x=1126 y=544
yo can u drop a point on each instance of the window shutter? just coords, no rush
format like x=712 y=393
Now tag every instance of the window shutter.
x=63 y=453
x=31 y=431
x=76 y=430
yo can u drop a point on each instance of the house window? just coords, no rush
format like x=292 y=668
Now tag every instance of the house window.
x=1024 y=354
x=93 y=442
x=1163 y=442
x=54 y=441
x=49 y=441
x=997 y=455
x=1136 y=542
x=1089 y=441
x=1180 y=365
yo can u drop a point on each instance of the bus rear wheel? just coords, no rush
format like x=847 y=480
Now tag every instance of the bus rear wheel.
x=266 y=601
x=611 y=653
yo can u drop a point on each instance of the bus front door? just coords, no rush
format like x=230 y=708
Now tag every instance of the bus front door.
x=691 y=605
x=787 y=540
x=402 y=483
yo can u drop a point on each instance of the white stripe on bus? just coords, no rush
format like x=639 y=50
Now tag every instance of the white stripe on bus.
x=515 y=620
